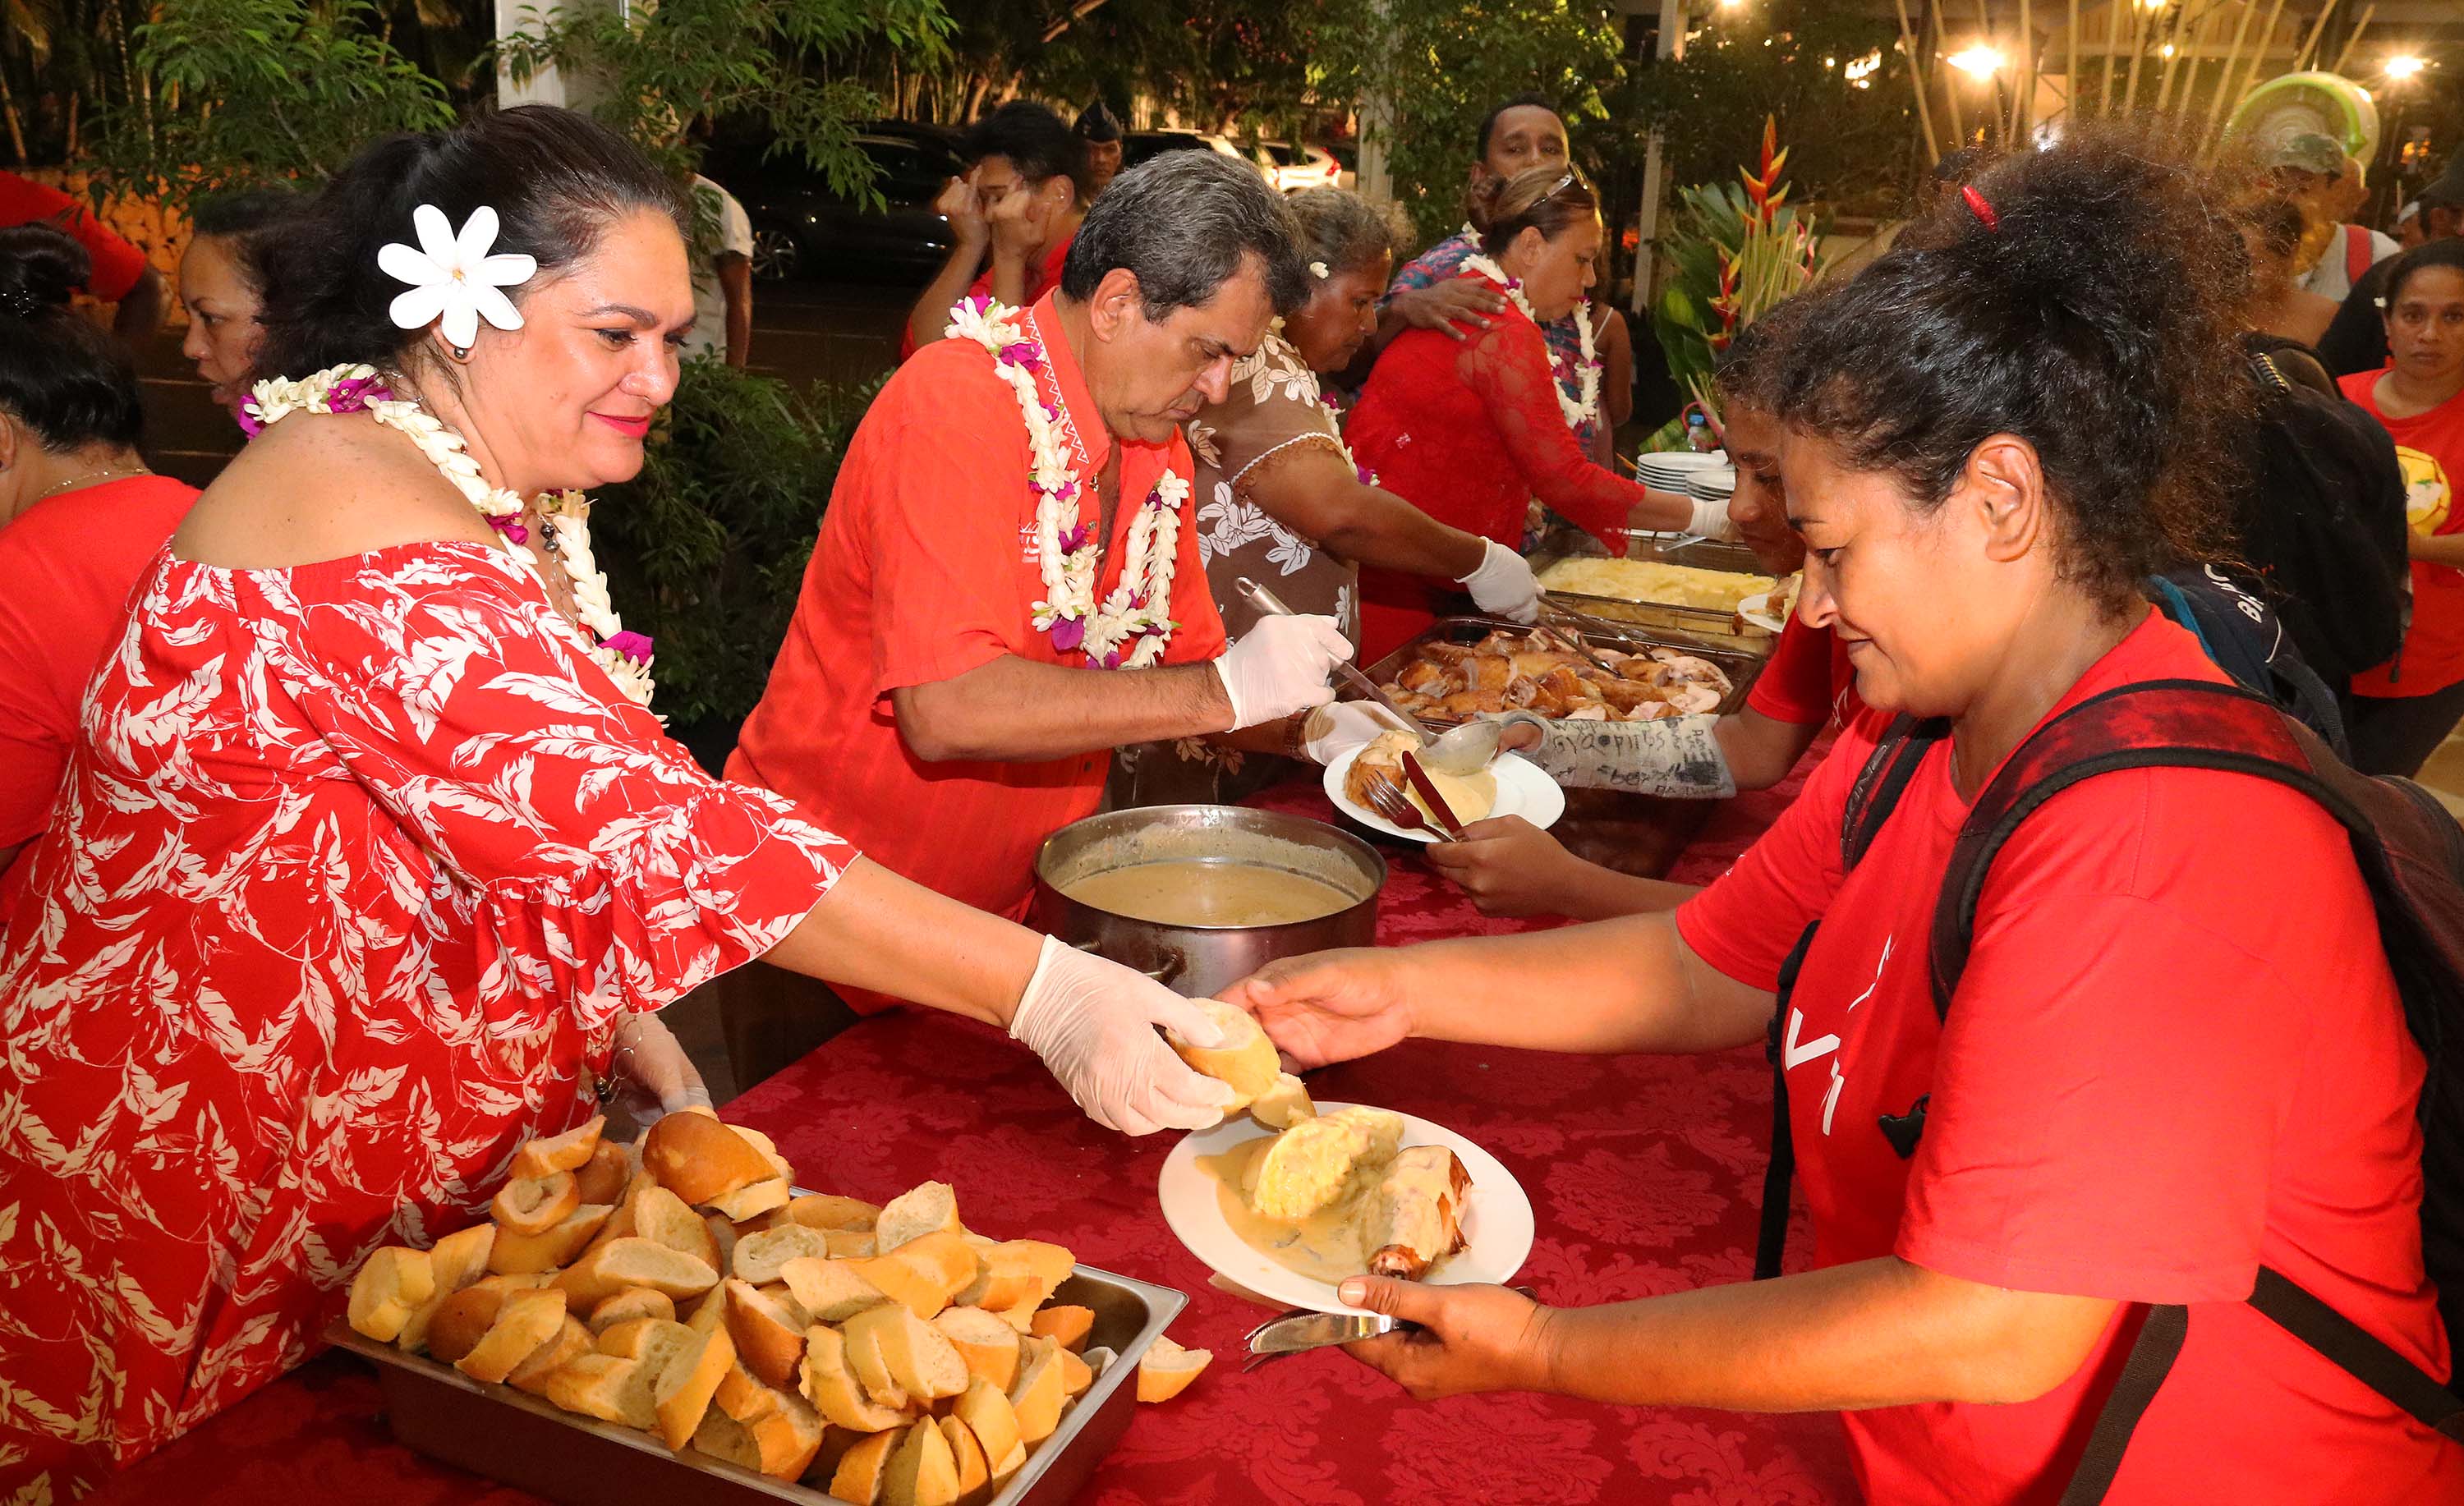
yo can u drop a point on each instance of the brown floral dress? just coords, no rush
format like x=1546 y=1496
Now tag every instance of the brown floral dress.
x=1272 y=414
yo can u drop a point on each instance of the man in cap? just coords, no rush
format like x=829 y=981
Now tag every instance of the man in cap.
x=1101 y=130
x=2328 y=185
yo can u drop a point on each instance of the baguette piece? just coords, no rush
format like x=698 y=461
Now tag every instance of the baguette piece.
x=606 y=1386
x=922 y=1292
x=569 y=1151
x=988 y=1344
x=751 y=1201
x=741 y=1394
x=1076 y=1374
x=1037 y=1396
x=927 y=1208
x=609 y=1172
x=974 y=1471
x=659 y=1214
x=513 y=1254
x=723 y=1438
x=1306 y=1167
x=922 y=1472
x=454 y=1262
x=986 y=1411
x=1246 y=1061
x=635 y=1261
x=786 y=1437
x=1416 y=1213
x=832 y=1386
x=461 y=1321
x=940 y=1258
x=758 y=1256
x=534 y=1204
x=920 y=1359
x=571 y=1343
x=1018 y=1271
x=634 y=1302
x=702 y=1160
x=391 y=1284
x=769 y=1339
x=1168 y=1368
x=687 y=1383
x=852 y=1244
x=829 y=1211
x=1284 y=1104
x=1065 y=1324
x=829 y=1291
x=871 y=1366
x=862 y=1469
x=526 y=1321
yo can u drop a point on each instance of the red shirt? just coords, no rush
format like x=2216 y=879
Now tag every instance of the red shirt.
x=927 y=569
x=117 y=263
x=1470 y=431
x=1039 y=280
x=67 y=566
x=1808 y=680
x=2430 y=449
x=2176 y=1054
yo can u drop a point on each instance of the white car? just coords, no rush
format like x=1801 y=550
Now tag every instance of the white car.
x=1293 y=168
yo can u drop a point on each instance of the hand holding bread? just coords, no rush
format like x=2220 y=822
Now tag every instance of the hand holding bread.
x=1093 y=1022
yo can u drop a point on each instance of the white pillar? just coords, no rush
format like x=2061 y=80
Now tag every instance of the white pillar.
x=1654 y=167
x=549 y=85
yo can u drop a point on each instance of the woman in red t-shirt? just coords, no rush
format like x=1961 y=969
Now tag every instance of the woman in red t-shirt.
x=2177 y=1053
x=80 y=517
x=2405 y=708
x=1468 y=431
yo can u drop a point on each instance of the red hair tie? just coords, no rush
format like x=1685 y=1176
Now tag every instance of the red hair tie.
x=1977 y=207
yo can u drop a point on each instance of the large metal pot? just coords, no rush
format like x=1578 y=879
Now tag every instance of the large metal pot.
x=1198 y=961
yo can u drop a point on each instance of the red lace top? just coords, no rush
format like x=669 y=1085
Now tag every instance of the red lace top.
x=1470 y=431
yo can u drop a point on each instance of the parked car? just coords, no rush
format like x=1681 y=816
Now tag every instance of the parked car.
x=1138 y=145
x=1293 y=168
x=803 y=227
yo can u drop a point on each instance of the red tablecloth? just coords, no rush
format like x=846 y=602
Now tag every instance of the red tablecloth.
x=1644 y=1173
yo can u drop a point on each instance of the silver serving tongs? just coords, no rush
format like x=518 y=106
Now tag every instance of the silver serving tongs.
x=1301 y=1330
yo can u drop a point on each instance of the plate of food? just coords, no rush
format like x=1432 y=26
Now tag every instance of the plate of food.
x=1510 y=786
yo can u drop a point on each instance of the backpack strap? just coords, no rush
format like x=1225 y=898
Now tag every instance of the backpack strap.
x=2356 y=254
x=2359 y=1352
x=2151 y=1359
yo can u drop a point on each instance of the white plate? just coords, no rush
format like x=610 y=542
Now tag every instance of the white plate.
x=1496 y=1222
x=1522 y=790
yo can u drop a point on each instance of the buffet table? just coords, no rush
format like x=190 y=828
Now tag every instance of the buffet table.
x=1644 y=1174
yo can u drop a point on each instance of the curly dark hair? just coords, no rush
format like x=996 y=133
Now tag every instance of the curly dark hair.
x=1749 y=370
x=2096 y=317
x=60 y=375
x=1037 y=142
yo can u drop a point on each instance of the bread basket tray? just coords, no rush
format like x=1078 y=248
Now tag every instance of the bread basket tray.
x=523 y=1441
x=1740 y=661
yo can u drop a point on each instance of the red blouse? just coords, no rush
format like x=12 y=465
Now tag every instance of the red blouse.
x=1470 y=431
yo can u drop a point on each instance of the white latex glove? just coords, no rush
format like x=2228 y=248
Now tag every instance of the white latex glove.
x=1338 y=727
x=1093 y=1022
x=1504 y=585
x=1711 y=518
x=655 y=1076
x=1279 y=667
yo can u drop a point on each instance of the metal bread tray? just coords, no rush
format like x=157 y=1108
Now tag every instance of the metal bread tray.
x=1741 y=661
x=523 y=1441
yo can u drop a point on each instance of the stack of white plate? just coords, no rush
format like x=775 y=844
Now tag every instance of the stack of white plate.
x=1712 y=484
x=1670 y=471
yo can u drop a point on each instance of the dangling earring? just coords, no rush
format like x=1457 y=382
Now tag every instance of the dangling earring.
x=461 y=353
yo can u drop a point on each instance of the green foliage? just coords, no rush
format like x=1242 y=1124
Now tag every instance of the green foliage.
x=706 y=548
x=1443 y=63
x=660 y=66
x=259 y=90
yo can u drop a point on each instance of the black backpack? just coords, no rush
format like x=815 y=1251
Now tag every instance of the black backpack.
x=2323 y=520
x=2228 y=615
x=2409 y=850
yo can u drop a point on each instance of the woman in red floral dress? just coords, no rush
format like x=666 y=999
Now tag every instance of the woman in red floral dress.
x=1470 y=431
x=370 y=857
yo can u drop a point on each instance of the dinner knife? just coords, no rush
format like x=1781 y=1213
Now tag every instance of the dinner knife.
x=1427 y=789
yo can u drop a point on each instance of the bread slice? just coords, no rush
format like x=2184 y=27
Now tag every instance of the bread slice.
x=454 y=1262
x=632 y=1302
x=653 y=1339
x=922 y=1292
x=829 y=1211
x=1015 y=1461
x=920 y=1359
x=852 y=1244
x=723 y=1438
x=1018 y=1271
x=1037 y=1396
x=1168 y=1368
x=1065 y=1324
x=974 y=1471
x=461 y=1321
x=751 y=1200
x=986 y=1411
x=722 y=1237
x=609 y=1172
x=769 y=1339
x=513 y=1254
x=659 y=1214
x=392 y=1283
x=871 y=1366
x=534 y=1204
x=743 y=1395
x=571 y=1343
x=702 y=1160
x=922 y=1472
x=831 y=1386
x=1307 y=1165
x=986 y=1343
x=941 y=1258
x=569 y=1151
x=635 y=1261
x=758 y=1256
x=687 y=1383
x=1284 y=1104
x=784 y=1295
x=1076 y=1375
x=526 y=1321
x=862 y=1469
x=786 y=1437
x=1246 y=1061
x=917 y=1211
x=829 y=1291
x=606 y=1386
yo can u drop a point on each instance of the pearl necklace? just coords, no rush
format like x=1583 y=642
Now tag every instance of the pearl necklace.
x=565 y=516
x=1578 y=411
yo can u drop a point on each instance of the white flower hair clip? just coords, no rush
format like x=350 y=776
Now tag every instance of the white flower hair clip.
x=454 y=280
x=1317 y=270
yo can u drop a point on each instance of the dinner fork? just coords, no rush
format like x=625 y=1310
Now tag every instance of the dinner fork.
x=1388 y=800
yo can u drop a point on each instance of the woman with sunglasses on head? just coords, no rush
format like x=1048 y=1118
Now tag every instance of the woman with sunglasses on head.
x=1470 y=429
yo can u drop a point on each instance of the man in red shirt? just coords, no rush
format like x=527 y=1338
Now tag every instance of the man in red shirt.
x=122 y=275
x=925 y=697
x=1014 y=214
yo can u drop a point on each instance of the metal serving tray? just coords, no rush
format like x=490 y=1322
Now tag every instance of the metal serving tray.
x=1741 y=661
x=1691 y=625
x=525 y=1442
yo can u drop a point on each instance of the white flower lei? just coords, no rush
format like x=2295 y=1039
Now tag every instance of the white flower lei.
x=1068 y=554
x=1578 y=411
x=565 y=514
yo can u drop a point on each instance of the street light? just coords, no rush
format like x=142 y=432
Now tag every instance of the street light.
x=1979 y=61
x=2403 y=67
